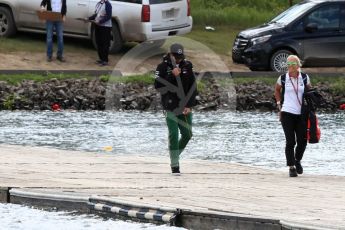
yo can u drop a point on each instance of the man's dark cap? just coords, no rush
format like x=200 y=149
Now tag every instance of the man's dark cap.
x=176 y=49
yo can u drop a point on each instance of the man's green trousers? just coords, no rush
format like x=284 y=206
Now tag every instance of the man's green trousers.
x=176 y=123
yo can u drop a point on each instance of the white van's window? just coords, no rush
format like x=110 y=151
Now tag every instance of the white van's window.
x=292 y=13
x=130 y=1
x=326 y=17
x=162 y=1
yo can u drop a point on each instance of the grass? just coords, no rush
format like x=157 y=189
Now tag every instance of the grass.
x=336 y=84
x=244 y=13
x=263 y=79
x=220 y=40
x=31 y=42
x=18 y=78
x=146 y=79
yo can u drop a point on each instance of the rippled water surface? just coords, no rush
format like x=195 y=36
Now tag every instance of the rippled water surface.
x=249 y=138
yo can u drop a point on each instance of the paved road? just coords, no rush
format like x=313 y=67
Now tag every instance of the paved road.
x=204 y=185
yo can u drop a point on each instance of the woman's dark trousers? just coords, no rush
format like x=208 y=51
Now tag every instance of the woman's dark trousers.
x=294 y=127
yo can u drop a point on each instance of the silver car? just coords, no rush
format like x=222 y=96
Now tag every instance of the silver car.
x=133 y=20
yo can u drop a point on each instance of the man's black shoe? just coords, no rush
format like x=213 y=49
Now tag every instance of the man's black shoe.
x=175 y=170
x=103 y=63
x=292 y=172
x=49 y=59
x=61 y=59
x=299 y=167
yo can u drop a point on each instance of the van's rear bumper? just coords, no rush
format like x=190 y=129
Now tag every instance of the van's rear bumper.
x=150 y=33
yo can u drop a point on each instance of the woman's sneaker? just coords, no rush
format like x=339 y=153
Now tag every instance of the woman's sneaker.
x=292 y=172
x=175 y=171
x=299 y=167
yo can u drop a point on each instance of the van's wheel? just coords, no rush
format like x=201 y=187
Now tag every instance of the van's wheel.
x=7 y=26
x=278 y=60
x=116 y=42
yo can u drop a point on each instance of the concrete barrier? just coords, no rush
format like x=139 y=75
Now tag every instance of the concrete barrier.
x=50 y=201
x=4 y=195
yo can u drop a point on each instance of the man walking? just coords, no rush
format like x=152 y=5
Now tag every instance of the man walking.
x=176 y=82
x=55 y=6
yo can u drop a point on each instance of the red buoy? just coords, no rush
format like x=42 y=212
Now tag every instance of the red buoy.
x=56 y=107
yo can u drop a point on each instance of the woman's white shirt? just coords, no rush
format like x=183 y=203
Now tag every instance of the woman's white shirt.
x=291 y=104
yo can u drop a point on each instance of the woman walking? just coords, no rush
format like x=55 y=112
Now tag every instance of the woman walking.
x=289 y=92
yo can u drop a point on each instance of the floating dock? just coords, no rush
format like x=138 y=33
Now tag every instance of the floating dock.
x=207 y=195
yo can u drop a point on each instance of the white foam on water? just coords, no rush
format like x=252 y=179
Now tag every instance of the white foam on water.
x=14 y=216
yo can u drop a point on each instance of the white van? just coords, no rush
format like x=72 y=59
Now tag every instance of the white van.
x=133 y=20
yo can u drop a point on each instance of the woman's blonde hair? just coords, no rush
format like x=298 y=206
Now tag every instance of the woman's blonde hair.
x=299 y=63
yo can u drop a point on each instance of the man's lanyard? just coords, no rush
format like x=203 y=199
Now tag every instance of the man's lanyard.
x=295 y=89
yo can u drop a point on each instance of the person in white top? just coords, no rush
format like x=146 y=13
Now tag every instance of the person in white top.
x=289 y=91
x=60 y=7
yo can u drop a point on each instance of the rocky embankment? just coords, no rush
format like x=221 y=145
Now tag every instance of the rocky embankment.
x=84 y=94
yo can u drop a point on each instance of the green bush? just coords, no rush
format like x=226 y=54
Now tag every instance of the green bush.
x=9 y=102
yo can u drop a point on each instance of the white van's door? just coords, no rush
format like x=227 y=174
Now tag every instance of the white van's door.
x=168 y=14
x=77 y=9
x=27 y=14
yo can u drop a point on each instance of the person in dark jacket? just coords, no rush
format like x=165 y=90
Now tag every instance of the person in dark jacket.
x=176 y=83
x=103 y=25
x=55 y=6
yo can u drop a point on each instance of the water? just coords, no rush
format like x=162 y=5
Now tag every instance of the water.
x=248 y=138
x=19 y=217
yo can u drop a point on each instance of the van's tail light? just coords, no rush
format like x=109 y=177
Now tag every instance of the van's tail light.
x=188 y=8
x=145 y=13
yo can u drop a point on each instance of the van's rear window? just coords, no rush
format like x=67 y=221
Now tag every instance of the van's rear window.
x=162 y=1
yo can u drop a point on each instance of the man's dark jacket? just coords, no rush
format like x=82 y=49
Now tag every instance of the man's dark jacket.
x=179 y=92
x=47 y=3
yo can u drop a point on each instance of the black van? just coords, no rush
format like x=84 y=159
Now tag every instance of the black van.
x=314 y=30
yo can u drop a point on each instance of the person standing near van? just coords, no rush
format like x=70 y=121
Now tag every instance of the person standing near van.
x=176 y=83
x=103 y=25
x=61 y=7
x=289 y=91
